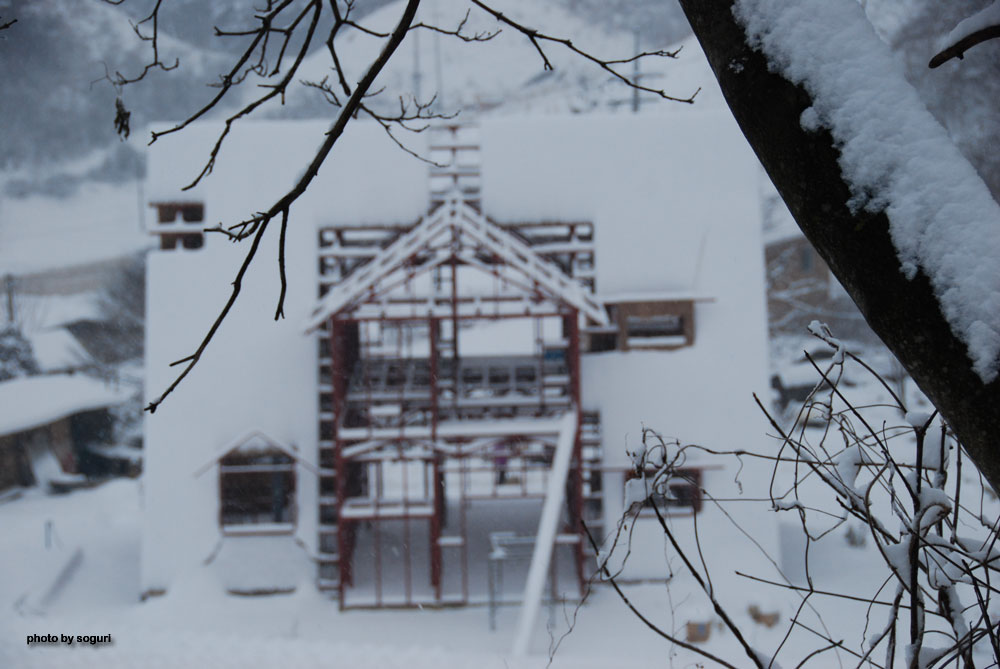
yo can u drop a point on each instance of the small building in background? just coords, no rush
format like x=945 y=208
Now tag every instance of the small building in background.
x=51 y=426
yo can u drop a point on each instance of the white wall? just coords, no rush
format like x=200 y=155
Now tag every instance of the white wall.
x=256 y=374
x=675 y=205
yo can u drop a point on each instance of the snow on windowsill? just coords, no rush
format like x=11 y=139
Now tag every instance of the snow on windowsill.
x=257 y=529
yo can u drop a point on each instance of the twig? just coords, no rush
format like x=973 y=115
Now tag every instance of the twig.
x=958 y=49
x=646 y=621
x=536 y=38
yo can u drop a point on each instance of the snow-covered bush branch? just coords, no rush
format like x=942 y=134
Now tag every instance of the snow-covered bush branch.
x=851 y=458
x=892 y=470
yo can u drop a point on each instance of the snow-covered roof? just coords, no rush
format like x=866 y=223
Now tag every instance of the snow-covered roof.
x=57 y=350
x=658 y=189
x=366 y=179
x=30 y=402
x=650 y=184
x=455 y=220
x=41 y=312
x=655 y=296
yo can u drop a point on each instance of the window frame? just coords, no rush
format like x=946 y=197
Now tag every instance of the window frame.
x=282 y=467
x=687 y=479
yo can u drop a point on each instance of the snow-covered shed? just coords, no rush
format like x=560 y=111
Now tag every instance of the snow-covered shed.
x=461 y=345
x=45 y=422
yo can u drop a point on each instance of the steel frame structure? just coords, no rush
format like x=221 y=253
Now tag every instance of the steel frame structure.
x=402 y=433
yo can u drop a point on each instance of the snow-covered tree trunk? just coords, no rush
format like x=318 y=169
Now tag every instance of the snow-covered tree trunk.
x=901 y=301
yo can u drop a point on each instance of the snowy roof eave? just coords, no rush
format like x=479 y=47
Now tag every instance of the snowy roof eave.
x=457 y=214
x=656 y=296
x=34 y=401
x=245 y=438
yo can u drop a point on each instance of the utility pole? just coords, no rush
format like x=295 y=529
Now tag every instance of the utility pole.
x=8 y=282
x=417 y=74
x=439 y=74
x=638 y=76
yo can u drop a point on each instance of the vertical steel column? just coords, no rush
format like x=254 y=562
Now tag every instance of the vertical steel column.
x=377 y=535
x=338 y=386
x=407 y=560
x=572 y=328
x=540 y=352
x=454 y=312
x=436 y=496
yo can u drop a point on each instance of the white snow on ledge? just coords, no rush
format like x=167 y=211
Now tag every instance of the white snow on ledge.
x=895 y=156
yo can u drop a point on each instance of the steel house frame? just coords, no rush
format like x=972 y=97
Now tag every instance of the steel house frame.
x=400 y=431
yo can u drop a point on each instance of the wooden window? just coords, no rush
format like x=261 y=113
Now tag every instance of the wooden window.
x=189 y=212
x=188 y=240
x=654 y=324
x=685 y=492
x=257 y=489
x=663 y=325
x=185 y=214
x=659 y=331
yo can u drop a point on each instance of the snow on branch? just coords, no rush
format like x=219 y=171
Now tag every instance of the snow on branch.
x=896 y=158
x=982 y=26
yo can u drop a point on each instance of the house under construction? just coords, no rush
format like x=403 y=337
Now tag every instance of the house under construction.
x=470 y=356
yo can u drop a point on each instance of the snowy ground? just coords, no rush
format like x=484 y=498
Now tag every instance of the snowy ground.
x=197 y=625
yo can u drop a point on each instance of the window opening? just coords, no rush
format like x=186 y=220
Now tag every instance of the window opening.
x=257 y=489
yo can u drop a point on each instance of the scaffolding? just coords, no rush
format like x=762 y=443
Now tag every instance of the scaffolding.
x=423 y=443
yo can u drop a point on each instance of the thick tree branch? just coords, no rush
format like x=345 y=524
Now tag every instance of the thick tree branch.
x=804 y=167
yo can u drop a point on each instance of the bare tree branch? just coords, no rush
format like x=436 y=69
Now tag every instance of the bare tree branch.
x=153 y=18
x=483 y=36
x=646 y=621
x=537 y=38
x=351 y=99
x=257 y=225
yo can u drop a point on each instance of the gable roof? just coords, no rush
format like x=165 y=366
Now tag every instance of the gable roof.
x=253 y=441
x=455 y=220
